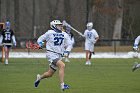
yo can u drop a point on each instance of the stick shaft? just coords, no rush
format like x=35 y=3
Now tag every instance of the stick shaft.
x=68 y=25
x=76 y=31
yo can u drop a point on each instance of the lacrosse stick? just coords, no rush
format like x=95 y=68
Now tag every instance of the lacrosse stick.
x=31 y=45
x=68 y=25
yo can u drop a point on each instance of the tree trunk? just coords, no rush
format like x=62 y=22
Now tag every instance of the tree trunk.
x=118 y=23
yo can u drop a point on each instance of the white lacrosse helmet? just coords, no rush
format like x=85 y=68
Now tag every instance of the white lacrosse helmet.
x=89 y=25
x=54 y=23
x=7 y=25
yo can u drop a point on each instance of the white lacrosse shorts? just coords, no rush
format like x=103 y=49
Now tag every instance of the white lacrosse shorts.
x=89 y=46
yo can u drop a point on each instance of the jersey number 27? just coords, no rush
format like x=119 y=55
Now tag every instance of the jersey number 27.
x=58 y=41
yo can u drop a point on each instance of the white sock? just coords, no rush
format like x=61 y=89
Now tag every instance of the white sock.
x=38 y=77
x=6 y=60
x=62 y=85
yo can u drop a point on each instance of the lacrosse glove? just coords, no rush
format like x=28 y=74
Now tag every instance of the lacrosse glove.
x=40 y=44
x=135 y=47
x=66 y=53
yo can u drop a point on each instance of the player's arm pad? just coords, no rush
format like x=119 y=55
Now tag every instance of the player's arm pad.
x=14 y=40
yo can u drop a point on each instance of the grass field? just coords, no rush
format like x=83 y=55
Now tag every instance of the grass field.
x=103 y=76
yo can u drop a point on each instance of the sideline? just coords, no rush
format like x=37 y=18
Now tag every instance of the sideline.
x=76 y=55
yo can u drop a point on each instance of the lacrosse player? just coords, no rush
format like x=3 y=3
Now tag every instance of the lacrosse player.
x=56 y=40
x=71 y=36
x=91 y=37
x=6 y=39
x=136 y=49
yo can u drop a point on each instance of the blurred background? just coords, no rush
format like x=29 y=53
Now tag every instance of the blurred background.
x=116 y=21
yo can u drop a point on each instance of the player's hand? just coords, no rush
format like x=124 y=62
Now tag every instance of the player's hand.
x=40 y=44
x=81 y=34
x=40 y=47
x=66 y=53
x=135 y=48
x=94 y=41
x=15 y=44
x=35 y=46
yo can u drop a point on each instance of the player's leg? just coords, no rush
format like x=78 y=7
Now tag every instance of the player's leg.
x=90 y=53
x=61 y=67
x=87 y=57
x=135 y=66
x=87 y=48
x=6 y=49
x=51 y=70
x=47 y=74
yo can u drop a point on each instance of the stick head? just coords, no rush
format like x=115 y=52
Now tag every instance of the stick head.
x=66 y=24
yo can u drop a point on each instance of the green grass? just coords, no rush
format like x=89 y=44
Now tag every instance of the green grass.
x=103 y=76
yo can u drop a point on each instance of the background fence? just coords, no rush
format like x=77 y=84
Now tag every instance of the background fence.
x=113 y=19
x=103 y=45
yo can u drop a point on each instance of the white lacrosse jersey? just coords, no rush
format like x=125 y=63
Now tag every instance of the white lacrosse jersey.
x=55 y=41
x=137 y=40
x=90 y=36
x=71 y=37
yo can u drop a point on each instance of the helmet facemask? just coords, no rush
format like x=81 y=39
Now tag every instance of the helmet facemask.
x=56 y=25
x=7 y=25
x=59 y=27
x=89 y=28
